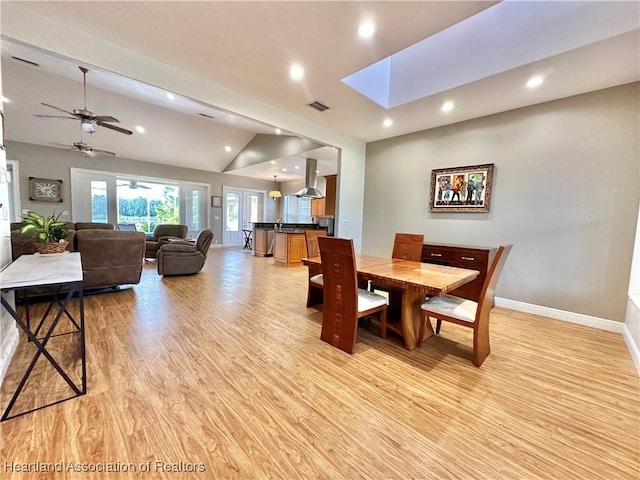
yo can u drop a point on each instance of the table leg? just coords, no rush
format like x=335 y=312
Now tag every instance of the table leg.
x=41 y=345
x=412 y=300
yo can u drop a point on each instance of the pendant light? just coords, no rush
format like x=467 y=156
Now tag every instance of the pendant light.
x=275 y=193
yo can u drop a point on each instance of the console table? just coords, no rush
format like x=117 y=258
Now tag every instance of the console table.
x=62 y=274
x=462 y=256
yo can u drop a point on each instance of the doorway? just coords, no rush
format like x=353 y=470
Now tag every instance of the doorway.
x=241 y=208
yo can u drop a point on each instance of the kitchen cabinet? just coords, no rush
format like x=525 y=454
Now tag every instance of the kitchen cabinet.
x=290 y=248
x=330 y=195
x=318 y=207
x=262 y=239
x=473 y=258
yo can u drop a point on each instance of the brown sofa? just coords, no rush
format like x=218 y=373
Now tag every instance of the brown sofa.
x=109 y=258
x=161 y=235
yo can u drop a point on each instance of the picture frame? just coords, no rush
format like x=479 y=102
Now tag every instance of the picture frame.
x=461 y=189
x=216 y=201
x=45 y=190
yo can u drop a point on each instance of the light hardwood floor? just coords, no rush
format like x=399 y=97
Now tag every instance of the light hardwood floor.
x=226 y=369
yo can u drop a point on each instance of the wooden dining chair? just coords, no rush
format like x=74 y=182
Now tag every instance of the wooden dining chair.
x=315 y=285
x=344 y=302
x=467 y=312
x=406 y=246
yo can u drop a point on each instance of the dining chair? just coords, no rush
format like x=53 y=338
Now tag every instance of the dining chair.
x=467 y=312
x=344 y=302
x=316 y=282
x=406 y=246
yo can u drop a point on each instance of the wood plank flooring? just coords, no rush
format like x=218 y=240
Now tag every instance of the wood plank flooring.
x=224 y=373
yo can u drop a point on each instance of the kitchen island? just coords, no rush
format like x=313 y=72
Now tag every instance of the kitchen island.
x=286 y=243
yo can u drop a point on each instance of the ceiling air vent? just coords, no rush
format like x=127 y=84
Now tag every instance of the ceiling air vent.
x=33 y=64
x=321 y=107
x=206 y=116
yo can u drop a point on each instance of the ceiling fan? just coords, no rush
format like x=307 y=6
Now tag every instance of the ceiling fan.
x=132 y=184
x=87 y=117
x=85 y=148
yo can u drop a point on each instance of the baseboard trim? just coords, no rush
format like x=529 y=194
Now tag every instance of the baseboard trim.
x=577 y=318
x=632 y=347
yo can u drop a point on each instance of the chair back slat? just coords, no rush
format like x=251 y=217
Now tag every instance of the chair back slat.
x=408 y=246
x=485 y=300
x=339 y=323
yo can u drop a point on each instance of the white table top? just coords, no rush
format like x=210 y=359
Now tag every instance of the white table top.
x=37 y=270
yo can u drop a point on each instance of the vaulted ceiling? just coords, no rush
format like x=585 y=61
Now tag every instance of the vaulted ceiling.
x=248 y=47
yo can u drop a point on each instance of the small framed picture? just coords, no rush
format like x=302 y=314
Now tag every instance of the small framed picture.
x=216 y=201
x=45 y=190
x=461 y=189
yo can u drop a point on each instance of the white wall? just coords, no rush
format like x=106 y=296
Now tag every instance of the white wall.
x=565 y=193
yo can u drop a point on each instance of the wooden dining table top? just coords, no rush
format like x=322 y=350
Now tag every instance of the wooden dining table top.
x=429 y=278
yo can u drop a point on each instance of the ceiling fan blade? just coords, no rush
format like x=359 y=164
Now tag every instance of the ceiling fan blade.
x=106 y=118
x=55 y=116
x=60 y=109
x=117 y=129
x=104 y=152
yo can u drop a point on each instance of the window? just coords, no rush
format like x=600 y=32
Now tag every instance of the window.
x=297 y=209
x=147 y=204
x=110 y=197
x=99 y=213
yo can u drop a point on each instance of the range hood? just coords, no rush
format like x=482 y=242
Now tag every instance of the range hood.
x=310 y=189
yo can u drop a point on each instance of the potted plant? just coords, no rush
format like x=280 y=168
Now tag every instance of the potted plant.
x=49 y=232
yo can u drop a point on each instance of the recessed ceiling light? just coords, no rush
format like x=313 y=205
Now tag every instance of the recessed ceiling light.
x=297 y=167
x=387 y=122
x=227 y=148
x=284 y=169
x=272 y=162
x=171 y=96
x=447 y=106
x=317 y=171
x=4 y=99
x=140 y=129
x=278 y=131
x=296 y=71
x=535 y=81
x=366 y=29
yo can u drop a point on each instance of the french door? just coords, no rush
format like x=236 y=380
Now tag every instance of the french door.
x=241 y=208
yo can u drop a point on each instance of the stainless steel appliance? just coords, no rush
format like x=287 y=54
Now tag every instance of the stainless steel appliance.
x=328 y=223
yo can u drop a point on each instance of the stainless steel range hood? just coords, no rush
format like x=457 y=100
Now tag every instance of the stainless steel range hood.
x=310 y=189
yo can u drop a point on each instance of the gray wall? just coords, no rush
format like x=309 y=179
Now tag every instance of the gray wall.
x=565 y=193
x=55 y=163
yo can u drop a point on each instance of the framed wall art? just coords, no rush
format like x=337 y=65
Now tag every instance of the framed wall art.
x=216 y=201
x=461 y=189
x=45 y=190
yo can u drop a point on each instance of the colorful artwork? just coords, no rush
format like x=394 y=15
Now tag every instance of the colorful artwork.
x=462 y=189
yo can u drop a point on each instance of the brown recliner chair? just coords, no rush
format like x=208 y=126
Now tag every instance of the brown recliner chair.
x=183 y=258
x=161 y=235
x=110 y=258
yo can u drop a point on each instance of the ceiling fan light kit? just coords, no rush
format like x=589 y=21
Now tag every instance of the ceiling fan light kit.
x=87 y=118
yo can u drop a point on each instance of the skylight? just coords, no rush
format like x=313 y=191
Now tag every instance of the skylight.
x=505 y=36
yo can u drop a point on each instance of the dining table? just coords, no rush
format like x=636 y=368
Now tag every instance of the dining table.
x=413 y=280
